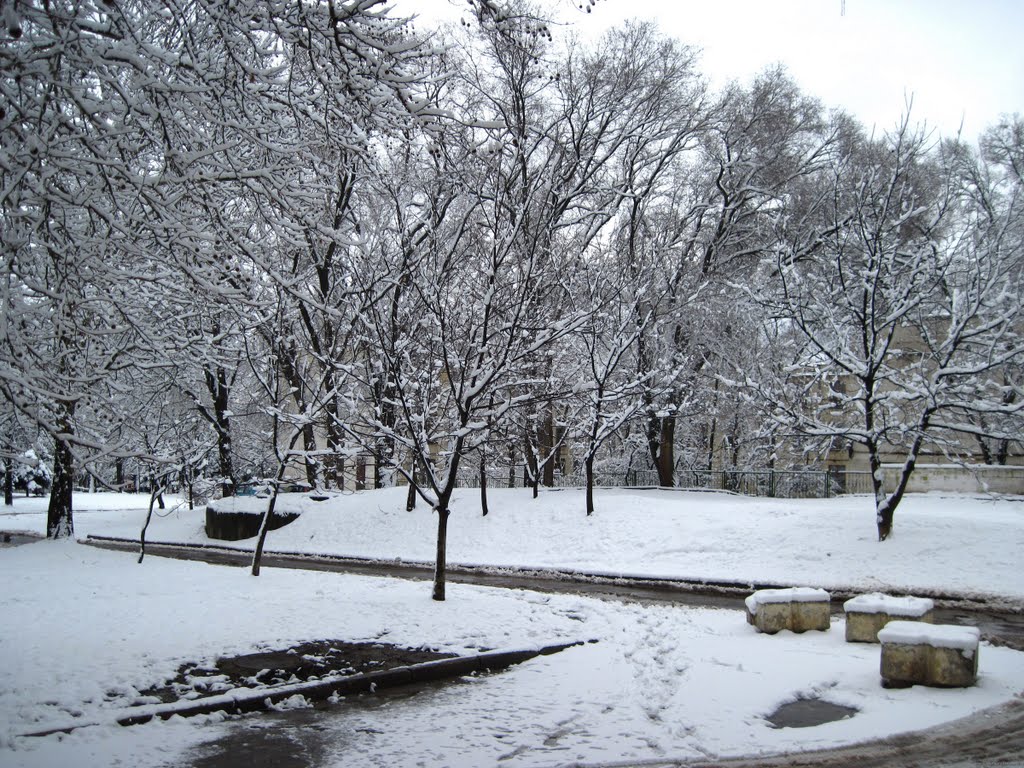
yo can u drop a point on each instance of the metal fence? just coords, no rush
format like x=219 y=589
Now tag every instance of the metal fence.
x=795 y=484
x=783 y=484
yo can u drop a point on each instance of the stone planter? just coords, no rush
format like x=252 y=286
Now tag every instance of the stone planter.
x=232 y=526
x=867 y=614
x=798 y=609
x=939 y=655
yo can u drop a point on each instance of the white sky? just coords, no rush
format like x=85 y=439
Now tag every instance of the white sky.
x=959 y=59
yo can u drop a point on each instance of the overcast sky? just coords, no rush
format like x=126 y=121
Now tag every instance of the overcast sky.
x=958 y=59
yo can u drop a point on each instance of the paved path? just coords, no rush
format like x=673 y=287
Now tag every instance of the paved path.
x=988 y=739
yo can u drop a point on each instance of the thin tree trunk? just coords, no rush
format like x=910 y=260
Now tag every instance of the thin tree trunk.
x=8 y=482
x=287 y=361
x=384 y=449
x=531 y=470
x=442 y=552
x=441 y=507
x=1003 y=453
x=410 y=498
x=257 y=555
x=309 y=446
x=483 y=482
x=588 y=464
x=712 y=437
x=335 y=440
x=547 y=450
x=282 y=466
x=155 y=493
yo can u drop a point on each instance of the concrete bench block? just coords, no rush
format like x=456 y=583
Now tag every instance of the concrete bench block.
x=797 y=609
x=867 y=614
x=940 y=655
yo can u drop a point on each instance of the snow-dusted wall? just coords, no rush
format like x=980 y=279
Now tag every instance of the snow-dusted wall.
x=967 y=479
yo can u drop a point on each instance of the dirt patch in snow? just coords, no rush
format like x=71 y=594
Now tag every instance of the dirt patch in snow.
x=299 y=663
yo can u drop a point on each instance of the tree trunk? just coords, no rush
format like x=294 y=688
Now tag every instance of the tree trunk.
x=712 y=433
x=155 y=493
x=384 y=454
x=287 y=359
x=531 y=470
x=8 y=483
x=360 y=473
x=547 y=450
x=588 y=464
x=220 y=390
x=442 y=552
x=257 y=555
x=883 y=512
x=410 y=498
x=335 y=440
x=309 y=446
x=887 y=510
x=483 y=482
x=661 y=436
x=282 y=466
x=1003 y=452
x=59 y=520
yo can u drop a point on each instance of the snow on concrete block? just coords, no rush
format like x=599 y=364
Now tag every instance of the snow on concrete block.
x=797 y=609
x=867 y=614
x=940 y=655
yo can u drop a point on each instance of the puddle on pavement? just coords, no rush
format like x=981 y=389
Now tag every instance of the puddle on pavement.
x=16 y=539
x=302 y=738
x=807 y=713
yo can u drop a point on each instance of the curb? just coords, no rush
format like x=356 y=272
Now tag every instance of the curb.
x=701 y=587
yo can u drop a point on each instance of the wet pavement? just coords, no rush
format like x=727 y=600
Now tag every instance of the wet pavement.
x=807 y=713
x=989 y=739
x=300 y=738
x=9 y=539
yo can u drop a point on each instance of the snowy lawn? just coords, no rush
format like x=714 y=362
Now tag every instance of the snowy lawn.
x=939 y=542
x=84 y=630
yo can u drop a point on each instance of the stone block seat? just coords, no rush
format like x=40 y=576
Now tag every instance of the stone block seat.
x=797 y=609
x=940 y=655
x=867 y=614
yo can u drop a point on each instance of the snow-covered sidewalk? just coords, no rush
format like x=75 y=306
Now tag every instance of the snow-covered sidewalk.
x=84 y=630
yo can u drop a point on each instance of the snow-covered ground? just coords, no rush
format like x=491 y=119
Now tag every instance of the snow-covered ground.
x=83 y=630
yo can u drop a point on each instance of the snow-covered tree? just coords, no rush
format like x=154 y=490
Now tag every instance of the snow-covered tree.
x=149 y=150
x=991 y=182
x=708 y=225
x=898 y=314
